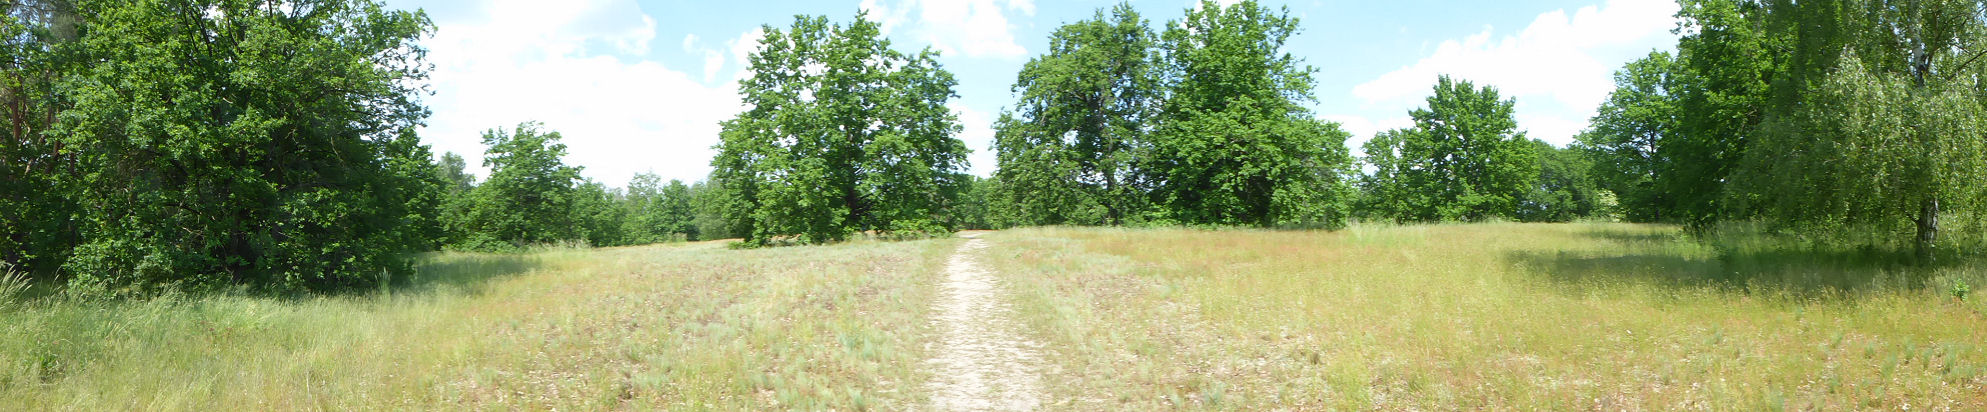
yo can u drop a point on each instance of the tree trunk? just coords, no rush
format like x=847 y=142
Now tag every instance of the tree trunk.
x=1928 y=231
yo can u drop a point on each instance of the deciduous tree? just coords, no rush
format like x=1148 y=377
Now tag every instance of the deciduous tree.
x=1070 y=148
x=248 y=143
x=844 y=134
x=1234 y=143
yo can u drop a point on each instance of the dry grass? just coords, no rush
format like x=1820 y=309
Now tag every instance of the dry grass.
x=1502 y=316
x=678 y=327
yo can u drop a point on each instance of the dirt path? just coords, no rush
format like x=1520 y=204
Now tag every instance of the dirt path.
x=983 y=361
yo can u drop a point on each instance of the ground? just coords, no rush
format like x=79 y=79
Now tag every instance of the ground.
x=1495 y=316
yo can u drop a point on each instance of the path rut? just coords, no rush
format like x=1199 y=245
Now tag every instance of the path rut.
x=984 y=361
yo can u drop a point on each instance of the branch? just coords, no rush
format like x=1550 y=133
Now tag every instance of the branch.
x=1969 y=62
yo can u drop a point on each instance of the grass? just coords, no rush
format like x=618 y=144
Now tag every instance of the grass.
x=1494 y=316
x=1498 y=316
x=677 y=327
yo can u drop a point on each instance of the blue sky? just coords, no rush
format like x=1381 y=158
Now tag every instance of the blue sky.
x=640 y=85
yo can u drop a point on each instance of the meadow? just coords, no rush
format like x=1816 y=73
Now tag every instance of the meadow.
x=1486 y=316
x=1491 y=316
x=669 y=327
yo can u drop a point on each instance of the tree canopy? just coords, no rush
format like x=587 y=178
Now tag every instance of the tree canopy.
x=1464 y=159
x=1827 y=118
x=1069 y=151
x=1203 y=124
x=195 y=145
x=844 y=134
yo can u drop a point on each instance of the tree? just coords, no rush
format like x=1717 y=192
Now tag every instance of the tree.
x=675 y=211
x=1630 y=133
x=457 y=206
x=638 y=202
x=1234 y=143
x=598 y=216
x=1463 y=160
x=529 y=196
x=1383 y=193
x=844 y=134
x=1564 y=191
x=710 y=201
x=251 y=143
x=36 y=229
x=1876 y=124
x=1730 y=56
x=1069 y=149
x=451 y=170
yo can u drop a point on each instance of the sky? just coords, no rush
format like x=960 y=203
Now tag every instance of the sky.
x=639 y=86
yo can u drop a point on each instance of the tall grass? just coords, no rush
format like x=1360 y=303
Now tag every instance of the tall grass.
x=681 y=327
x=1497 y=316
x=12 y=285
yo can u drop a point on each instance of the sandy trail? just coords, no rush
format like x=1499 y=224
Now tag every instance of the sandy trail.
x=983 y=361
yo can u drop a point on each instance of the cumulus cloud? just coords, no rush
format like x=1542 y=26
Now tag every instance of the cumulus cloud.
x=971 y=28
x=577 y=67
x=1559 y=68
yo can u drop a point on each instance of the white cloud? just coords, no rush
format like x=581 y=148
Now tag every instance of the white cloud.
x=1556 y=129
x=1558 y=68
x=970 y=28
x=557 y=62
x=746 y=44
x=978 y=134
x=741 y=50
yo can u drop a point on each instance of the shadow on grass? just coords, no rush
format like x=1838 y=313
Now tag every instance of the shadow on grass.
x=466 y=272
x=1634 y=237
x=1787 y=270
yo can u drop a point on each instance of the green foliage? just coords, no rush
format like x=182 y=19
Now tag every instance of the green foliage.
x=973 y=208
x=1069 y=151
x=203 y=151
x=530 y=196
x=599 y=215
x=1876 y=124
x=844 y=135
x=1565 y=190
x=35 y=224
x=1833 y=120
x=1631 y=132
x=1960 y=289
x=1234 y=144
x=658 y=213
x=1729 y=55
x=1202 y=125
x=709 y=201
x=1464 y=160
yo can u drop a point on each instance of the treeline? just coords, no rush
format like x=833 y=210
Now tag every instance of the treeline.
x=1204 y=123
x=1849 y=122
x=1857 y=121
x=533 y=198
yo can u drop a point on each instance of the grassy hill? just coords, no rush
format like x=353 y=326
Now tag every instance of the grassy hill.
x=1585 y=316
